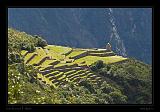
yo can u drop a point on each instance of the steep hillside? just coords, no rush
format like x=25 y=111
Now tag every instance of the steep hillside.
x=41 y=73
x=129 y=30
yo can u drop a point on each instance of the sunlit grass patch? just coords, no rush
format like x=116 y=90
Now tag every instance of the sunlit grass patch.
x=23 y=52
x=58 y=49
x=91 y=59
x=75 y=53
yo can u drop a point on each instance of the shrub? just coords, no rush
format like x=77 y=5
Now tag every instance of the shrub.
x=41 y=42
x=97 y=65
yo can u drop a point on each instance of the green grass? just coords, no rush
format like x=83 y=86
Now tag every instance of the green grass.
x=63 y=76
x=59 y=74
x=73 y=74
x=101 y=53
x=91 y=59
x=75 y=53
x=23 y=52
x=45 y=79
x=51 y=73
x=63 y=64
x=36 y=60
x=58 y=49
x=47 y=63
x=40 y=51
x=53 y=52
x=68 y=72
x=43 y=67
x=28 y=56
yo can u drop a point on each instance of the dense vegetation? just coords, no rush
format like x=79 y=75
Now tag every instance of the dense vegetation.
x=133 y=77
x=128 y=82
x=18 y=41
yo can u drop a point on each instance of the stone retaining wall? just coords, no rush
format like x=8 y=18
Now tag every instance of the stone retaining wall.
x=42 y=60
x=97 y=51
x=48 y=68
x=54 y=63
x=25 y=53
x=68 y=52
x=31 y=58
x=102 y=55
x=80 y=55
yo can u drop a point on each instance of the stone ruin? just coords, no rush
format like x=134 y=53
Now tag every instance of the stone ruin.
x=108 y=47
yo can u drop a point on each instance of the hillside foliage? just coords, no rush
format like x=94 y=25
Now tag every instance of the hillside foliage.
x=133 y=77
x=127 y=82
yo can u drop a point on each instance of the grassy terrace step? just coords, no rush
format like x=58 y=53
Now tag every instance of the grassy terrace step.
x=102 y=54
x=47 y=71
x=48 y=62
x=76 y=79
x=70 y=72
x=56 y=82
x=37 y=59
x=62 y=77
x=65 y=65
x=91 y=59
x=68 y=69
x=24 y=53
x=75 y=53
x=59 y=75
x=53 y=62
x=58 y=49
x=40 y=51
x=43 y=78
x=51 y=74
x=29 y=57
x=78 y=75
x=97 y=51
x=52 y=78
x=49 y=67
x=77 y=72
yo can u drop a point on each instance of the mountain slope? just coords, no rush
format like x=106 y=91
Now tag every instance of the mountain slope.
x=49 y=74
x=90 y=27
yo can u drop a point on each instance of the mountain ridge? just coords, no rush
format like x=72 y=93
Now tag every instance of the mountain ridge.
x=89 y=27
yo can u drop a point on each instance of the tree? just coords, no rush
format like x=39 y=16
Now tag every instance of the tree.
x=41 y=42
x=97 y=65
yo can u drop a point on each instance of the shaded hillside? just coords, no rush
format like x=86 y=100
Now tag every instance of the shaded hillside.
x=90 y=27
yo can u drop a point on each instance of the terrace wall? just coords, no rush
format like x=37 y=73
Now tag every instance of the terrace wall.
x=31 y=58
x=25 y=53
x=42 y=60
x=80 y=55
x=102 y=55
x=54 y=63
x=97 y=51
x=68 y=52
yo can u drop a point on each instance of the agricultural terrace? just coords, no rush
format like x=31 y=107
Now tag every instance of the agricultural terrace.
x=58 y=65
